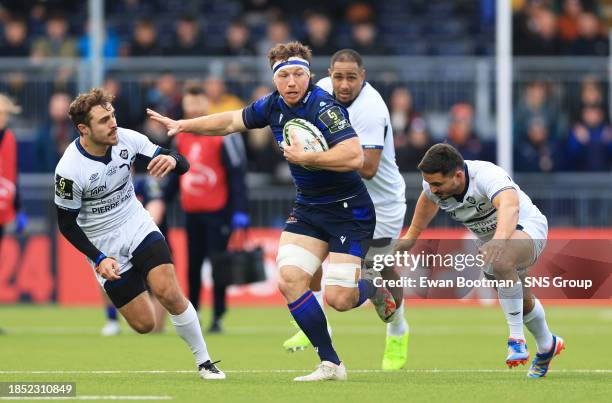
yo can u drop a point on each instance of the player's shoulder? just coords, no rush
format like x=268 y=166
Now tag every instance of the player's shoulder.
x=326 y=84
x=478 y=168
x=370 y=99
x=128 y=135
x=70 y=159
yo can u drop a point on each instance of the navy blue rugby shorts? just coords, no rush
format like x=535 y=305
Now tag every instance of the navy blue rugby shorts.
x=347 y=225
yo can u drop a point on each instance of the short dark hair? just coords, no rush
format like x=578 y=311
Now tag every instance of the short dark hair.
x=347 y=55
x=442 y=158
x=194 y=89
x=82 y=105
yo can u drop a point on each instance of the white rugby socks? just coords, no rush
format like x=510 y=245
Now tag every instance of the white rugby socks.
x=399 y=326
x=511 y=301
x=187 y=326
x=536 y=323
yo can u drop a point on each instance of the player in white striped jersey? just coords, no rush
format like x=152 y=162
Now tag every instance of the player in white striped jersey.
x=512 y=232
x=99 y=214
x=370 y=119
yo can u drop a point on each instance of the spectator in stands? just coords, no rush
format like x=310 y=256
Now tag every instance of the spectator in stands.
x=411 y=148
x=264 y=155
x=589 y=143
x=165 y=96
x=542 y=39
x=238 y=40
x=319 y=34
x=590 y=41
x=55 y=134
x=538 y=152
x=278 y=31
x=402 y=112
x=213 y=207
x=568 y=20
x=9 y=198
x=130 y=111
x=144 y=41
x=359 y=12
x=365 y=39
x=590 y=93
x=110 y=48
x=535 y=103
x=462 y=136
x=57 y=42
x=188 y=40
x=15 y=43
x=219 y=99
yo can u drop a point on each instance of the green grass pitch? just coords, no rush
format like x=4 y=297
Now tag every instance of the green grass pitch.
x=456 y=354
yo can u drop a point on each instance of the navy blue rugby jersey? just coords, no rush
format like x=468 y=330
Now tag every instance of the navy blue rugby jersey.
x=321 y=109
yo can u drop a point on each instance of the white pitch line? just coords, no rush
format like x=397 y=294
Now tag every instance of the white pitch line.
x=87 y=398
x=290 y=371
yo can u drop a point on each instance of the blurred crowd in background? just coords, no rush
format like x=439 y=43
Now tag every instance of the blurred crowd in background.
x=546 y=138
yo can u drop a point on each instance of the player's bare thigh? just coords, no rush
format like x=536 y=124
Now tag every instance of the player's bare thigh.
x=164 y=285
x=294 y=280
x=139 y=313
x=518 y=253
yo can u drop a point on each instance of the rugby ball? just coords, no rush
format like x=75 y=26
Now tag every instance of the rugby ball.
x=306 y=133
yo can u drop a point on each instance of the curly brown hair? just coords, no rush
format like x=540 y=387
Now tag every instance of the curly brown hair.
x=283 y=51
x=82 y=105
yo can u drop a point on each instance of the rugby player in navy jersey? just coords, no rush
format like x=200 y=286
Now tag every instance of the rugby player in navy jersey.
x=333 y=214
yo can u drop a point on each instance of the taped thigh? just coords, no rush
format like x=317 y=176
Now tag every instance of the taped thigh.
x=342 y=274
x=294 y=255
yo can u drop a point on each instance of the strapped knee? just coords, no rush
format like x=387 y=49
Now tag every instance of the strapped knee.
x=294 y=255
x=342 y=274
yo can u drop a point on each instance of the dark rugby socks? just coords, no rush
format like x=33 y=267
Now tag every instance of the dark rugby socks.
x=310 y=317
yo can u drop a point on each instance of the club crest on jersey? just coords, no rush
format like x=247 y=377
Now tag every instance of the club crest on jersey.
x=124 y=154
x=93 y=177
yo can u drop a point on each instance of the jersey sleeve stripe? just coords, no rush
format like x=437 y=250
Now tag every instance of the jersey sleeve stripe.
x=501 y=190
x=372 y=147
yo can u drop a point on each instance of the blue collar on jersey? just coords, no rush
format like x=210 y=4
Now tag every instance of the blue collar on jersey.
x=461 y=195
x=106 y=158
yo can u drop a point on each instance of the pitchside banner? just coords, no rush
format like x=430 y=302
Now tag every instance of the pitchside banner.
x=444 y=264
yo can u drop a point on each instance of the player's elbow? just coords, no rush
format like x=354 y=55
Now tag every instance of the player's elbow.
x=355 y=161
x=367 y=172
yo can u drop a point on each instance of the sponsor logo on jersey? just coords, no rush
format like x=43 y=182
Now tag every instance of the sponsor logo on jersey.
x=63 y=188
x=112 y=170
x=93 y=177
x=124 y=154
x=334 y=119
x=97 y=190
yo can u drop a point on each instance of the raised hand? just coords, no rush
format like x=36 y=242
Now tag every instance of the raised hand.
x=173 y=126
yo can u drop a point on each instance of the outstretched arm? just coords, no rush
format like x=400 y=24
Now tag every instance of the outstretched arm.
x=424 y=211
x=217 y=124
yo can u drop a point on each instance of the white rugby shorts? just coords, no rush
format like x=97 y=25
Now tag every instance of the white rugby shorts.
x=121 y=242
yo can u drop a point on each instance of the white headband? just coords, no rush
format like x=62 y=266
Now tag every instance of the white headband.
x=291 y=62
